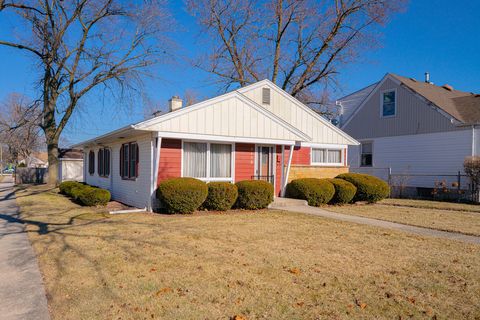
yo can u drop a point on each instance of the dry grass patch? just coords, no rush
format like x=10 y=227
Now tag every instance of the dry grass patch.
x=263 y=265
x=428 y=204
x=466 y=222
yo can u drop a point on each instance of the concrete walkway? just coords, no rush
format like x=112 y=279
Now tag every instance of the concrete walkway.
x=22 y=295
x=383 y=224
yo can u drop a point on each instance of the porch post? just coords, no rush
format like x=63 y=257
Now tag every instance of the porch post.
x=282 y=172
x=156 y=147
x=288 y=170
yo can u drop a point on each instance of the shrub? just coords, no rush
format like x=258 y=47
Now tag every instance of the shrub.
x=77 y=190
x=369 y=188
x=90 y=196
x=254 y=194
x=221 y=196
x=315 y=191
x=66 y=186
x=344 y=191
x=182 y=195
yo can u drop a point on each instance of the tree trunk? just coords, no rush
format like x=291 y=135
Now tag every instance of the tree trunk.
x=52 y=149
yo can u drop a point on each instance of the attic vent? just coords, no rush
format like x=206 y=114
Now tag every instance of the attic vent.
x=413 y=79
x=266 y=95
x=447 y=87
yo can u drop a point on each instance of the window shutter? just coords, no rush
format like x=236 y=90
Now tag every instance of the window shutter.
x=136 y=160
x=121 y=161
x=266 y=95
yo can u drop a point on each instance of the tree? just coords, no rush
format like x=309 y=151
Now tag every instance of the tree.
x=299 y=45
x=81 y=45
x=471 y=166
x=19 y=127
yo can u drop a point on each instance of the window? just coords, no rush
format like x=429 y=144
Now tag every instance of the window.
x=388 y=103
x=104 y=162
x=327 y=156
x=366 y=154
x=207 y=161
x=91 y=162
x=129 y=161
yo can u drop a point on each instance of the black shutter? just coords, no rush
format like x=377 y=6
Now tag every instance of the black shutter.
x=121 y=161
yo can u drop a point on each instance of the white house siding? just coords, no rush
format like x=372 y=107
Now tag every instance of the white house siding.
x=71 y=170
x=301 y=117
x=433 y=154
x=230 y=117
x=131 y=192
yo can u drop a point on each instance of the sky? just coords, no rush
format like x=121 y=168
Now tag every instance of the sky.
x=441 y=37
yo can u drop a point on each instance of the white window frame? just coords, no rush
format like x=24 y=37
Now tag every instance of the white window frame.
x=208 y=178
x=381 y=103
x=361 y=153
x=327 y=164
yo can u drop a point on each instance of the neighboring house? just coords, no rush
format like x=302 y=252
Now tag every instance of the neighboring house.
x=70 y=165
x=241 y=135
x=35 y=160
x=421 y=131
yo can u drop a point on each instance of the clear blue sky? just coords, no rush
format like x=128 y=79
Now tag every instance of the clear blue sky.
x=442 y=37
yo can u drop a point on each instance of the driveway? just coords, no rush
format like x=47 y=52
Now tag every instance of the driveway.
x=22 y=295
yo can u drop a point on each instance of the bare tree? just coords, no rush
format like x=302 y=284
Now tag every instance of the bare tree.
x=299 y=45
x=81 y=47
x=19 y=127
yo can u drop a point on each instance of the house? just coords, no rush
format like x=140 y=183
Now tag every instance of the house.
x=70 y=165
x=419 y=131
x=245 y=134
x=35 y=160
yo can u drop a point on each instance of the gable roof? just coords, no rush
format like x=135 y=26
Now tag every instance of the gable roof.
x=307 y=111
x=463 y=106
x=70 y=153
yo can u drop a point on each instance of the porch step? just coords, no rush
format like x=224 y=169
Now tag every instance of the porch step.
x=279 y=203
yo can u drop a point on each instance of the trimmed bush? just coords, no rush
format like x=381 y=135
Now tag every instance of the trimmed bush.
x=344 y=191
x=221 y=196
x=77 y=190
x=369 y=188
x=90 y=196
x=254 y=194
x=316 y=191
x=182 y=195
x=66 y=186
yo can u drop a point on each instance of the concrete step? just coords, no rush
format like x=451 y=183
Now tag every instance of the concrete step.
x=279 y=203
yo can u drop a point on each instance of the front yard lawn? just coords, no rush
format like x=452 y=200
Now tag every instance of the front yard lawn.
x=260 y=265
x=430 y=214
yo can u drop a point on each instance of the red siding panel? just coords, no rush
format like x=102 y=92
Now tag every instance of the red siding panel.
x=244 y=161
x=170 y=165
x=301 y=156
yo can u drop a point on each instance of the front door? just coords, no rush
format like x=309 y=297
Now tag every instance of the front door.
x=265 y=163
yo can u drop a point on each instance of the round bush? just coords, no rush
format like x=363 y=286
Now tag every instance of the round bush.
x=77 y=190
x=182 y=195
x=254 y=194
x=91 y=196
x=344 y=191
x=221 y=196
x=66 y=186
x=315 y=191
x=369 y=188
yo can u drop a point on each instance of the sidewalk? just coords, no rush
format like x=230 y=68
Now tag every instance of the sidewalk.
x=383 y=224
x=22 y=295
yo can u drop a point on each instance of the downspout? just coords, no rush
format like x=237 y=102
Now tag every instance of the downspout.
x=156 y=147
x=290 y=155
x=473 y=141
x=282 y=173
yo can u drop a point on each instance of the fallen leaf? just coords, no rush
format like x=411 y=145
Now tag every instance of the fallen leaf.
x=294 y=270
x=363 y=305
x=238 y=317
x=163 y=290
x=153 y=270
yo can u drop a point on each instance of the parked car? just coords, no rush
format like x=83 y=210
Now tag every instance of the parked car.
x=8 y=170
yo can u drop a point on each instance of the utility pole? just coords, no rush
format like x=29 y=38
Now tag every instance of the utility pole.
x=1 y=159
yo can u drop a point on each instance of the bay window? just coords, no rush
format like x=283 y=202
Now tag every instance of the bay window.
x=324 y=156
x=207 y=161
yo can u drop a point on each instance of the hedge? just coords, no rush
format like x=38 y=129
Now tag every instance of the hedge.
x=254 y=194
x=85 y=194
x=182 y=195
x=369 y=188
x=316 y=191
x=344 y=191
x=66 y=186
x=221 y=196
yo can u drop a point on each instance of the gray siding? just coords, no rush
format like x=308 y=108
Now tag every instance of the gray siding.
x=413 y=116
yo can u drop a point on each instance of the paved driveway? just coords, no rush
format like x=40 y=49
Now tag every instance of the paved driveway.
x=22 y=295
